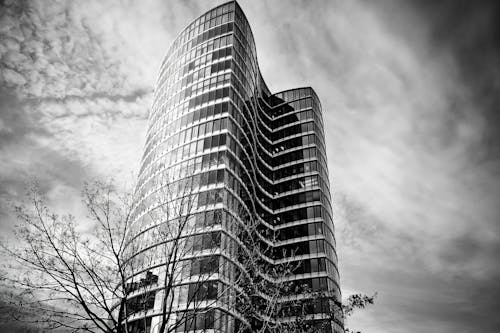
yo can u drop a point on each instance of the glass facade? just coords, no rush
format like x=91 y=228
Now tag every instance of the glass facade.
x=247 y=153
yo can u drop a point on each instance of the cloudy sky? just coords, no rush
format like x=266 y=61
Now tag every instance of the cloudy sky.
x=410 y=94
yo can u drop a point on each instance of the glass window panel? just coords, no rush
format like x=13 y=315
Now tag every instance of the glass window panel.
x=209 y=127
x=216 y=125
x=215 y=141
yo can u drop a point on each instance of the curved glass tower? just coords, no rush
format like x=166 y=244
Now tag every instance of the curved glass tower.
x=248 y=154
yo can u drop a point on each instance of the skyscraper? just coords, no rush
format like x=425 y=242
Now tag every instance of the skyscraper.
x=249 y=155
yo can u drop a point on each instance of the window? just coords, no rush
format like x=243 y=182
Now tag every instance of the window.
x=199 y=147
x=220 y=176
x=202 y=197
x=222 y=139
x=215 y=141
x=212 y=177
x=314 y=265
x=203 y=291
x=209 y=124
x=206 y=143
x=216 y=126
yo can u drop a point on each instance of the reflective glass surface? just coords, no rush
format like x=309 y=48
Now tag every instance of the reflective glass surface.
x=248 y=154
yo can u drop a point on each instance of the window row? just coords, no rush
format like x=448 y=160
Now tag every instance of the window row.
x=209 y=34
x=146 y=281
x=310 y=266
x=293 y=130
x=301 y=248
x=195 y=320
x=300 y=214
x=296 y=169
x=142 y=325
x=297 y=116
x=170 y=127
x=297 y=142
x=302 y=154
x=160 y=144
x=201 y=242
x=316 y=306
x=312 y=285
x=209 y=57
x=175 y=81
x=208 y=96
x=182 y=152
x=297 y=184
x=207 y=218
x=201 y=291
x=301 y=230
x=142 y=302
x=205 y=82
x=190 y=102
x=294 y=94
x=207 y=320
x=180 y=45
x=205 y=265
x=211 y=197
x=165 y=235
x=177 y=171
x=297 y=105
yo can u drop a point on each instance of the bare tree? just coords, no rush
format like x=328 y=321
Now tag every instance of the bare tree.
x=356 y=302
x=275 y=300
x=185 y=245
x=108 y=278
x=68 y=278
x=302 y=310
x=306 y=311
x=152 y=261
x=262 y=289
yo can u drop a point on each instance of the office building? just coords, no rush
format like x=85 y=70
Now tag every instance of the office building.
x=250 y=155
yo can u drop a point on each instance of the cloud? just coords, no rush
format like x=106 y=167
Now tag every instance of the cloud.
x=409 y=93
x=88 y=77
x=25 y=158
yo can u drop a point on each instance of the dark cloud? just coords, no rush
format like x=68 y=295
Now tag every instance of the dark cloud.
x=471 y=31
x=442 y=212
x=26 y=159
x=25 y=324
x=468 y=32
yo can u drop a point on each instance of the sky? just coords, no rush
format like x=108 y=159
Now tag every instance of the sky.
x=409 y=90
